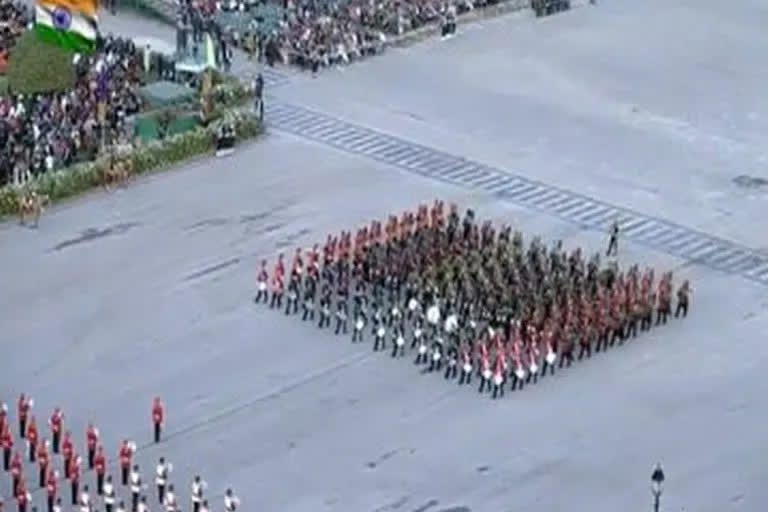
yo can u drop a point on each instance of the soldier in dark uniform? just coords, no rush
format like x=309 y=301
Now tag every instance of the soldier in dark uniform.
x=613 y=240
x=683 y=294
x=341 y=316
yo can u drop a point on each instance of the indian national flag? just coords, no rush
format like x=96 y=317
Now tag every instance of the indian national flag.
x=72 y=24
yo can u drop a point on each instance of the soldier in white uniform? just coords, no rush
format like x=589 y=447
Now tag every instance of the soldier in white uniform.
x=57 y=505
x=135 y=481
x=379 y=340
x=85 y=500
x=143 y=506
x=161 y=478
x=204 y=507
x=120 y=507
x=198 y=486
x=170 y=500
x=109 y=494
x=398 y=341
x=231 y=502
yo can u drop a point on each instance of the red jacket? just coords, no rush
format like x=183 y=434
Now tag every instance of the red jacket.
x=43 y=457
x=74 y=469
x=66 y=447
x=100 y=462
x=157 y=412
x=16 y=465
x=91 y=437
x=125 y=455
x=6 y=438
x=32 y=433
x=56 y=421
x=23 y=407
x=21 y=493
x=50 y=484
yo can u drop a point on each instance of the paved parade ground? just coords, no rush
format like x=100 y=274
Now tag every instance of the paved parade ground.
x=118 y=297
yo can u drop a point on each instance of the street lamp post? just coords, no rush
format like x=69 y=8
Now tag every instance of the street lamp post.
x=657 y=486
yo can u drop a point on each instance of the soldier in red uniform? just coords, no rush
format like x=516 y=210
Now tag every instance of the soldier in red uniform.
x=6 y=440
x=499 y=375
x=91 y=440
x=74 y=477
x=3 y=415
x=68 y=451
x=125 y=455
x=262 y=280
x=43 y=461
x=100 y=465
x=278 y=288
x=486 y=373
x=56 y=423
x=664 y=307
x=158 y=417
x=32 y=438
x=24 y=406
x=22 y=495
x=50 y=488
x=16 y=470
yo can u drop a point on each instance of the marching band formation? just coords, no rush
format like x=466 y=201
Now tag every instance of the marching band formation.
x=467 y=299
x=43 y=452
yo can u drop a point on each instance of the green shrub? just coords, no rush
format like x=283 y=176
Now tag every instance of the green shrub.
x=156 y=155
x=35 y=66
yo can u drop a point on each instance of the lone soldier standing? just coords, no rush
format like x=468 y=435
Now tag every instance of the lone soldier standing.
x=125 y=455
x=613 y=240
x=100 y=465
x=109 y=494
x=158 y=413
x=161 y=478
x=56 y=421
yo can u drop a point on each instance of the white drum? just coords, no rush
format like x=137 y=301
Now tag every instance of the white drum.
x=551 y=357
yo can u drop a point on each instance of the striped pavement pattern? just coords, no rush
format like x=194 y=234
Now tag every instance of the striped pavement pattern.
x=659 y=234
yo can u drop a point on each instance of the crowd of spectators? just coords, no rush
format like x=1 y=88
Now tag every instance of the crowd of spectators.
x=319 y=33
x=42 y=132
x=14 y=19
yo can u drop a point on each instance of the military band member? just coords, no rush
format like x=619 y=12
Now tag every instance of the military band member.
x=23 y=497
x=109 y=493
x=75 y=466
x=549 y=354
x=56 y=422
x=518 y=368
x=125 y=455
x=120 y=507
x=499 y=376
x=136 y=486
x=325 y=311
x=32 y=438
x=308 y=305
x=452 y=367
x=3 y=415
x=6 y=440
x=198 y=487
x=278 y=287
x=100 y=466
x=379 y=340
x=418 y=334
x=398 y=341
x=262 y=280
x=158 y=417
x=17 y=468
x=161 y=478
x=67 y=451
x=24 y=407
x=204 y=507
x=436 y=356
x=357 y=334
x=91 y=439
x=292 y=304
x=486 y=373
x=533 y=363
x=142 y=505
x=341 y=317
x=50 y=490
x=466 y=366
x=43 y=462
x=649 y=306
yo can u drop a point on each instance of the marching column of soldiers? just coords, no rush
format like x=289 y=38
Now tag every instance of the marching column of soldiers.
x=467 y=299
x=43 y=452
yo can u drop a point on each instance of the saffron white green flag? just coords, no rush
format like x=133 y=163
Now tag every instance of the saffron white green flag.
x=71 y=24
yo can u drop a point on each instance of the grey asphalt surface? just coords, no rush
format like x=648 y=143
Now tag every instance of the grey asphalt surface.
x=120 y=296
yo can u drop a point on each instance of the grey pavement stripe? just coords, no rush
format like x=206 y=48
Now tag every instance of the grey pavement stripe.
x=660 y=234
